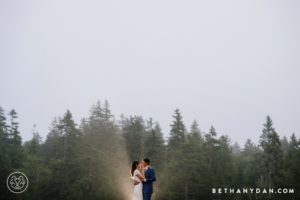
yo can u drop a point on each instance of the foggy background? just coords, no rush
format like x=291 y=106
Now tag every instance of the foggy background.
x=224 y=63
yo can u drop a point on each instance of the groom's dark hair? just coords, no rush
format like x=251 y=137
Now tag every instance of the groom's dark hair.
x=146 y=160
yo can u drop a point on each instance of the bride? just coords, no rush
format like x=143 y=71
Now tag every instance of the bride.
x=137 y=175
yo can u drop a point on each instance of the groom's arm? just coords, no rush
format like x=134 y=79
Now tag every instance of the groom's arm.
x=151 y=177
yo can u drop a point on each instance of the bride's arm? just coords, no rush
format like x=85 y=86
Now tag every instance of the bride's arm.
x=135 y=182
x=141 y=177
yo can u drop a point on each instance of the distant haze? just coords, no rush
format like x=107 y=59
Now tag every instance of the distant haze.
x=223 y=63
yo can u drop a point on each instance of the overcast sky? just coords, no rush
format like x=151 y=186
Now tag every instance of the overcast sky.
x=224 y=63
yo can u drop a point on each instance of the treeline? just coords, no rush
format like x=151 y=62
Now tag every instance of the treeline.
x=91 y=160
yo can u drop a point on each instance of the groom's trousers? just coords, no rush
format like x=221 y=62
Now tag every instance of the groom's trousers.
x=147 y=196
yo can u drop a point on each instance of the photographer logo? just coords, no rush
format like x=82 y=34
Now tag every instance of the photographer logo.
x=17 y=182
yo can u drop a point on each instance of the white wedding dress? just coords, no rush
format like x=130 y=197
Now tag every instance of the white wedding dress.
x=138 y=189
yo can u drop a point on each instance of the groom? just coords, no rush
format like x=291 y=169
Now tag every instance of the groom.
x=149 y=179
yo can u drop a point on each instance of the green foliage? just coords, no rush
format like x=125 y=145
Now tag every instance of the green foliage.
x=133 y=132
x=153 y=145
x=271 y=169
x=91 y=161
x=177 y=133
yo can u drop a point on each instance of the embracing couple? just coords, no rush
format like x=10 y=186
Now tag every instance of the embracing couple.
x=143 y=176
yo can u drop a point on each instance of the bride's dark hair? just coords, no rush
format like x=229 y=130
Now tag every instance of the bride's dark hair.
x=133 y=166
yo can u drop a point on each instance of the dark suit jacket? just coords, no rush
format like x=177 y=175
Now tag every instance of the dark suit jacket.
x=150 y=178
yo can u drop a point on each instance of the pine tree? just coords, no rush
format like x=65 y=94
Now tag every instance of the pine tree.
x=5 y=162
x=15 y=141
x=284 y=145
x=196 y=166
x=62 y=150
x=153 y=146
x=107 y=116
x=101 y=116
x=250 y=156
x=134 y=132
x=211 y=144
x=53 y=146
x=177 y=133
x=211 y=151
x=96 y=111
x=34 y=145
x=3 y=135
x=272 y=154
x=195 y=134
x=291 y=165
x=225 y=161
x=35 y=167
x=3 y=126
x=176 y=187
x=104 y=157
